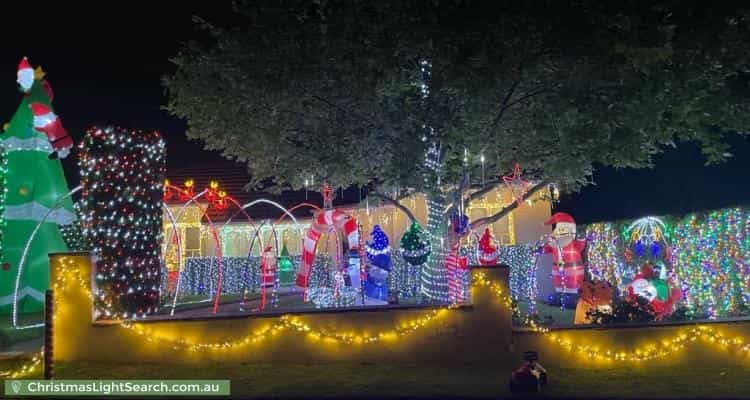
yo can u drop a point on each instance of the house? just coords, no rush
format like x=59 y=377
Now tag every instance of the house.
x=205 y=228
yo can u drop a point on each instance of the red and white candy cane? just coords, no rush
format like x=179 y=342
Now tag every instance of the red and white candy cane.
x=324 y=222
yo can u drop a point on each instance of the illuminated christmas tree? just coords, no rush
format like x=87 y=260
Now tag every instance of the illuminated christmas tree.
x=122 y=173
x=286 y=266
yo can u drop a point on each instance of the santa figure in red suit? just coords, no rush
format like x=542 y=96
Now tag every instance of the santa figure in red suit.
x=47 y=122
x=567 y=269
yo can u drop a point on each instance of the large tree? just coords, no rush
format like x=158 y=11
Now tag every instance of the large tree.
x=356 y=92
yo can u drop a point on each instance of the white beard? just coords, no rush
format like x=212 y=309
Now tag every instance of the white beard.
x=25 y=79
x=564 y=240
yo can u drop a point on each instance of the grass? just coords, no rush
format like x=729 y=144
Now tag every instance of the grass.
x=10 y=336
x=430 y=380
x=559 y=317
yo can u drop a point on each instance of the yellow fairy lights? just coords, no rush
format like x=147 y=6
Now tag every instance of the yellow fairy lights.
x=183 y=344
x=285 y=323
x=69 y=274
x=659 y=349
x=662 y=349
x=362 y=338
x=26 y=369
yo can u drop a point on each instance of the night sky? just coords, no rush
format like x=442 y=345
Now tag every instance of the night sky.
x=114 y=76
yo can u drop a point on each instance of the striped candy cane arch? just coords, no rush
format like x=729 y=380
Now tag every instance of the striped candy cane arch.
x=325 y=221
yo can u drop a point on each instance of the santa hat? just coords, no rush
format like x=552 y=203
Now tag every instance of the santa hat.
x=563 y=220
x=43 y=115
x=25 y=75
x=557 y=218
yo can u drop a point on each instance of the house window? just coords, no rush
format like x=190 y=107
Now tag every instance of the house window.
x=192 y=241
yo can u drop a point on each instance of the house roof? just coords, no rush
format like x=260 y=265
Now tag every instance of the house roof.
x=232 y=178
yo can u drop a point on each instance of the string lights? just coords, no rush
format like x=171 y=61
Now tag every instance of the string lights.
x=200 y=274
x=26 y=369
x=122 y=173
x=711 y=262
x=433 y=278
x=522 y=262
x=3 y=196
x=73 y=234
x=605 y=254
x=660 y=348
x=706 y=253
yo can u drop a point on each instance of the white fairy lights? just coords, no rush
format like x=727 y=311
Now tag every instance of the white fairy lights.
x=122 y=173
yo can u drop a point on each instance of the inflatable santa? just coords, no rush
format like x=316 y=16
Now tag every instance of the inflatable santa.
x=567 y=269
x=661 y=292
x=47 y=122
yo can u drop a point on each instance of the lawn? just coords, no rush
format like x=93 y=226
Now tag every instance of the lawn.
x=437 y=381
x=558 y=316
x=10 y=336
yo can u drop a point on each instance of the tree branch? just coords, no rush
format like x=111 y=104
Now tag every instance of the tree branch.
x=526 y=96
x=505 y=102
x=396 y=204
x=506 y=210
x=344 y=110
x=484 y=189
x=488 y=187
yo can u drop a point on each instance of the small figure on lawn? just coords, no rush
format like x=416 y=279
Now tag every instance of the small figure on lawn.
x=530 y=377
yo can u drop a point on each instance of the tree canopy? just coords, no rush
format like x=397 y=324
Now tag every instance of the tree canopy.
x=329 y=88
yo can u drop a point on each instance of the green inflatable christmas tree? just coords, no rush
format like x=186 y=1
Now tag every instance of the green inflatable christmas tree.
x=286 y=266
x=36 y=191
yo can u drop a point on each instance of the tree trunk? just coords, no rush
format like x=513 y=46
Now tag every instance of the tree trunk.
x=434 y=280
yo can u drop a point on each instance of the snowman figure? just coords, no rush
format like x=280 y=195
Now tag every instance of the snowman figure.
x=567 y=270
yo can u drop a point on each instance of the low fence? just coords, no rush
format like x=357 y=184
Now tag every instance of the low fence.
x=480 y=333
x=477 y=333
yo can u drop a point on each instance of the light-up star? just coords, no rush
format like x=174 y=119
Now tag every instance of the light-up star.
x=39 y=73
x=517 y=186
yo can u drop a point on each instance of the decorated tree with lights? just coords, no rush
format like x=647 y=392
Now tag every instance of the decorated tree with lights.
x=122 y=174
x=35 y=193
x=443 y=101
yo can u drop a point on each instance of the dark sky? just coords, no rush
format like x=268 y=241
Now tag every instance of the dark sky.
x=112 y=75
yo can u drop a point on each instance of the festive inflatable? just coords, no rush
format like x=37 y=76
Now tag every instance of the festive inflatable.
x=567 y=271
x=379 y=256
x=35 y=194
x=326 y=221
x=486 y=248
x=659 y=291
x=286 y=266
